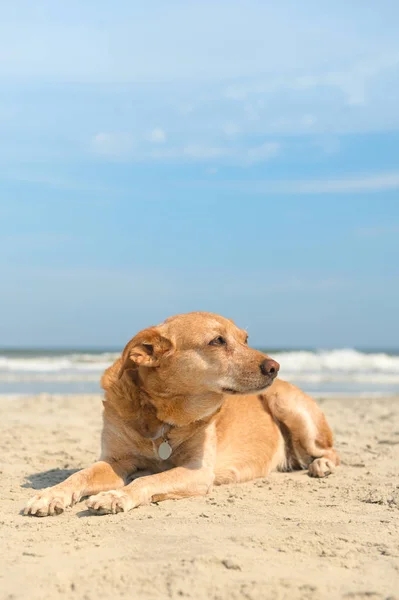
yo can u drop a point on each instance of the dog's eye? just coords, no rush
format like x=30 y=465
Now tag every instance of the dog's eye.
x=219 y=341
x=149 y=348
x=246 y=340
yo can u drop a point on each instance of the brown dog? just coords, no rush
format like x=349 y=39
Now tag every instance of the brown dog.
x=190 y=402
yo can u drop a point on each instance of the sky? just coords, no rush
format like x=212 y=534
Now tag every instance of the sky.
x=230 y=156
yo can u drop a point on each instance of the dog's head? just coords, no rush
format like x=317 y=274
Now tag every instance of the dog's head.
x=196 y=355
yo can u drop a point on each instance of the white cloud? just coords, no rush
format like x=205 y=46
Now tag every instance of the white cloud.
x=34 y=176
x=233 y=155
x=220 y=93
x=263 y=152
x=119 y=146
x=328 y=144
x=158 y=136
x=112 y=144
x=36 y=42
x=355 y=96
x=381 y=182
x=204 y=152
x=373 y=183
x=251 y=112
x=352 y=79
x=195 y=152
x=210 y=99
x=379 y=231
x=308 y=120
x=231 y=129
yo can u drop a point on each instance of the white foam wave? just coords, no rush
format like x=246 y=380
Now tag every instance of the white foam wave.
x=339 y=366
x=54 y=364
x=49 y=377
x=338 y=361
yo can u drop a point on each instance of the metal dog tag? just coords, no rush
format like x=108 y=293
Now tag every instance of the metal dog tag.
x=165 y=450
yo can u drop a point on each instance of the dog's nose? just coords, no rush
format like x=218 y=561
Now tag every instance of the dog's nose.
x=269 y=367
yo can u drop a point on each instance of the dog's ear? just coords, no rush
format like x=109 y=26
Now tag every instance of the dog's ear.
x=146 y=349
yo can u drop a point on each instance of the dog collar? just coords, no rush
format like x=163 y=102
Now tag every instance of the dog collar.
x=164 y=449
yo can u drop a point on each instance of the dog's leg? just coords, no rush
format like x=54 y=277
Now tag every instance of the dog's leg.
x=311 y=440
x=194 y=477
x=101 y=476
x=180 y=482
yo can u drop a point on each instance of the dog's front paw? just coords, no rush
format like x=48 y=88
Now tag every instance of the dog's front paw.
x=111 y=502
x=321 y=467
x=51 y=501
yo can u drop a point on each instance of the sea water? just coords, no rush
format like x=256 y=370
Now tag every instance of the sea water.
x=318 y=372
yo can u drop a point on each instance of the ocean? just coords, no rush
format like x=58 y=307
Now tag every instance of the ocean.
x=317 y=372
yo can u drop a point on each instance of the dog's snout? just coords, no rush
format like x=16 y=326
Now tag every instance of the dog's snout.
x=269 y=367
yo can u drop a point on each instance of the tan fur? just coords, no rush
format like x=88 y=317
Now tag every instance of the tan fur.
x=227 y=418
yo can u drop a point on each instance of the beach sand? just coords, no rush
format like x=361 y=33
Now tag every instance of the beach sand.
x=284 y=537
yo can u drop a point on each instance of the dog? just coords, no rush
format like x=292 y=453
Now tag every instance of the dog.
x=192 y=404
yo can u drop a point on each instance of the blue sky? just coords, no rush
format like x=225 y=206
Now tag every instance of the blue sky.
x=239 y=157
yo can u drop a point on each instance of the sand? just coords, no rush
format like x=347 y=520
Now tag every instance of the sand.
x=284 y=537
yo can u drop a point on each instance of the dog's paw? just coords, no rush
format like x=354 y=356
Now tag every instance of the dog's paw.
x=111 y=502
x=321 y=467
x=50 y=501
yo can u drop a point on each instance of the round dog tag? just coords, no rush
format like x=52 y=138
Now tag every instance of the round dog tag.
x=164 y=450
